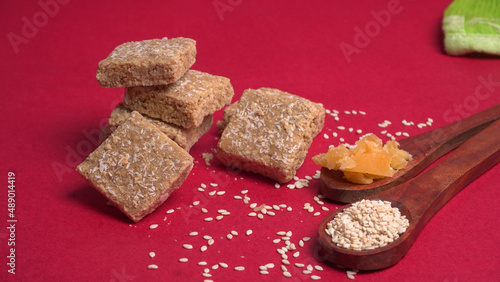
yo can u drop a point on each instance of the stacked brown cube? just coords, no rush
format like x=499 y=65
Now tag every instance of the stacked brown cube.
x=167 y=107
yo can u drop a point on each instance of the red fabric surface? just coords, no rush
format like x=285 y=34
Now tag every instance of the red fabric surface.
x=52 y=109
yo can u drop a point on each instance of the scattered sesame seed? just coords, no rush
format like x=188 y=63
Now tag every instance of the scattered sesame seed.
x=204 y=210
x=264 y=272
x=287 y=274
x=187 y=246
x=285 y=262
x=306 y=272
x=203 y=185
x=238 y=197
x=316 y=214
x=305 y=239
x=223 y=265
x=271 y=213
x=214 y=184
x=341 y=139
x=201 y=189
x=153 y=226
x=362 y=113
x=244 y=191
x=269 y=265
x=194 y=233
x=249 y=231
x=289 y=209
x=183 y=260
x=234 y=233
x=325 y=208
x=212 y=193
x=152 y=254
x=229 y=236
x=252 y=214
x=347 y=112
x=260 y=216
x=351 y=129
x=299 y=264
x=203 y=248
x=340 y=127
x=277 y=185
x=170 y=211
x=152 y=266
x=207 y=237
x=406 y=134
x=206 y=274
x=202 y=263
x=215 y=266
x=315 y=277
x=210 y=242
x=219 y=217
x=208 y=219
x=350 y=276
x=239 y=268
x=359 y=131
x=336 y=118
x=325 y=136
x=220 y=193
x=318 y=267
x=301 y=243
x=283 y=268
x=253 y=205
x=296 y=254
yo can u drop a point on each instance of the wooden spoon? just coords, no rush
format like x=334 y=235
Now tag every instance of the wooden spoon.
x=425 y=149
x=419 y=199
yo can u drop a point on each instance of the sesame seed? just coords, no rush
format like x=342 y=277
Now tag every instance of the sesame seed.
x=219 y=217
x=238 y=197
x=202 y=263
x=249 y=231
x=244 y=191
x=325 y=208
x=234 y=233
x=153 y=226
x=208 y=219
x=406 y=134
x=316 y=213
x=315 y=277
x=340 y=127
x=214 y=184
x=301 y=243
x=299 y=264
x=350 y=276
x=229 y=236
x=183 y=260
x=203 y=185
x=152 y=254
x=351 y=129
x=271 y=213
x=205 y=274
x=277 y=185
x=285 y=262
x=220 y=193
x=260 y=216
x=252 y=214
x=325 y=136
x=347 y=112
x=310 y=209
x=327 y=111
x=306 y=272
x=318 y=268
x=296 y=254
x=264 y=272
x=212 y=193
x=336 y=118
x=206 y=270
x=283 y=268
x=203 y=248
x=210 y=242
x=223 y=265
x=207 y=237
x=215 y=266
x=239 y=268
x=309 y=267
x=194 y=233
x=253 y=205
x=204 y=210
x=269 y=265
x=305 y=239
x=201 y=189
x=359 y=131
x=187 y=246
x=287 y=274
x=362 y=113
x=341 y=139
x=289 y=209
x=152 y=266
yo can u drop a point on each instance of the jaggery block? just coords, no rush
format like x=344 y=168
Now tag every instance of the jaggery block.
x=185 y=102
x=148 y=62
x=270 y=133
x=184 y=137
x=231 y=109
x=228 y=113
x=137 y=167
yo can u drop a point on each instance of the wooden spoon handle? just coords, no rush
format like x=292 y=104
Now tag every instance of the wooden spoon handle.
x=428 y=192
x=452 y=135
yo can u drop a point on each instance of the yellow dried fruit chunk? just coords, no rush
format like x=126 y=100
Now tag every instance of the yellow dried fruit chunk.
x=368 y=160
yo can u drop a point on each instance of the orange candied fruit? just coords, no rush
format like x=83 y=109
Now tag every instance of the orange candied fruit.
x=368 y=160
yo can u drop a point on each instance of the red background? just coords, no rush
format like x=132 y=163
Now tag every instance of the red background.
x=52 y=107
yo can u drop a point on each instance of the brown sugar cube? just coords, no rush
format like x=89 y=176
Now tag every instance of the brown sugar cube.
x=184 y=137
x=231 y=109
x=148 y=62
x=137 y=167
x=185 y=102
x=270 y=133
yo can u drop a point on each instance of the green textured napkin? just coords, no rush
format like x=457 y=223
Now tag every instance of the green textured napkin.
x=472 y=26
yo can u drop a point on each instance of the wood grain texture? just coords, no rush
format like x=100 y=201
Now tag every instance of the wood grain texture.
x=425 y=148
x=419 y=199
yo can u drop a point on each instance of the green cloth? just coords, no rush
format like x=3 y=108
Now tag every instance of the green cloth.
x=471 y=26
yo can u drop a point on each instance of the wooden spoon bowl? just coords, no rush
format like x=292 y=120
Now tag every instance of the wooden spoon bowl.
x=419 y=199
x=425 y=148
